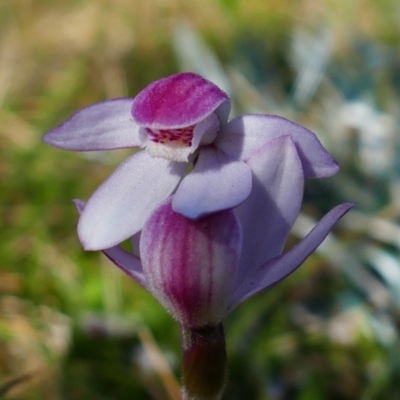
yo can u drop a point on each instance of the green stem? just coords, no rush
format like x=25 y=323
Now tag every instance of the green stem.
x=204 y=363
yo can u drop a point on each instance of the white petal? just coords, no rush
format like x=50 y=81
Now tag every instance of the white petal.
x=120 y=206
x=217 y=182
x=244 y=135
x=127 y=262
x=273 y=205
x=102 y=126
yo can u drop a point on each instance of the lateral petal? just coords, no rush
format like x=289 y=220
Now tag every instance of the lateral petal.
x=126 y=262
x=242 y=136
x=120 y=206
x=102 y=126
x=270 y=211
x=281 y=266
x=217 y=182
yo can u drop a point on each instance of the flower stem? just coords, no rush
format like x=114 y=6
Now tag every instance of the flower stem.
x=204 y=363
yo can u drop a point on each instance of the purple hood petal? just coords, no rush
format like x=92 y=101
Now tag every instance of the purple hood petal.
x=178 y=101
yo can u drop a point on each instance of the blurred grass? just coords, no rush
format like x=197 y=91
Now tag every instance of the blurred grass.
x=70 y=322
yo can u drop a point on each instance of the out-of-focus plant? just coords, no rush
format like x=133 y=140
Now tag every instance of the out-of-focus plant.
x=335 y=332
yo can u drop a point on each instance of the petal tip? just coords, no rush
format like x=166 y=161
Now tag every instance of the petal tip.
x=331 y=168
x=79 y=204
x=52 y=139
x=91 y=238
x=91 y=244
x=185 y=210
x=345 y=207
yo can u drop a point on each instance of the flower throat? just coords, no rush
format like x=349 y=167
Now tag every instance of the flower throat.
x=180 y=136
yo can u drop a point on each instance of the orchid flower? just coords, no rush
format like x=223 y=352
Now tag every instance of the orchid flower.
x=207 y=240
x=246 y=181
x=208 y=205
x=181 y=121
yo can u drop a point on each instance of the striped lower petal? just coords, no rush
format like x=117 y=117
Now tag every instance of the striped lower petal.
x=191 y=266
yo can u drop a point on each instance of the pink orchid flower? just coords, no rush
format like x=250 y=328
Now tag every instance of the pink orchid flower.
x=211 y=238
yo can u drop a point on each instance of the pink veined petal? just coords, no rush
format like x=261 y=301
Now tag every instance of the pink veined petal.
x=191 y=266
x=270 y=211
x=102 y=126
x=283 y=265
x=120 y=206
x=242 y=136
x=125 y=261
x=178 y=101
x=217 y=182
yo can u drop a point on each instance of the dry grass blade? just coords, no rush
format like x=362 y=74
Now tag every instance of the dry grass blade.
x=159 y=364
x=6 y=387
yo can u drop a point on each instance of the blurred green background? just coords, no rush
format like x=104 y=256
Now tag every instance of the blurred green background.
x=72 y=326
